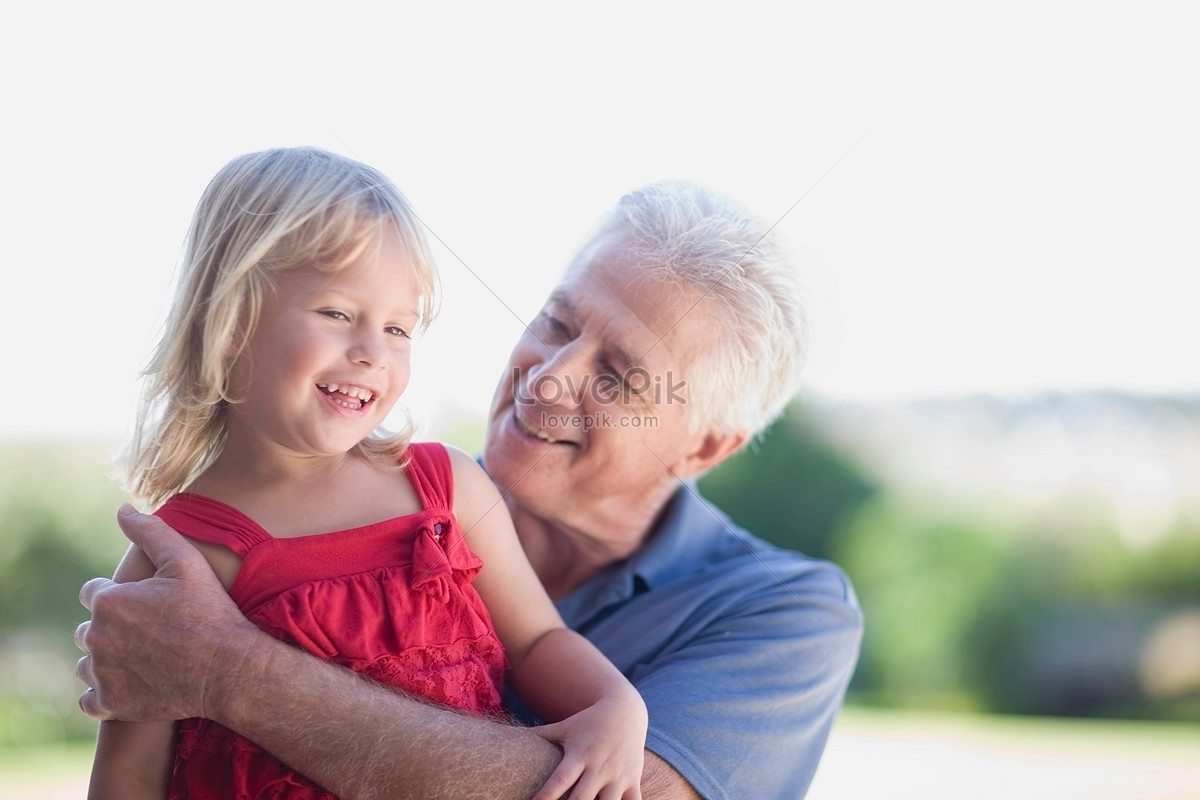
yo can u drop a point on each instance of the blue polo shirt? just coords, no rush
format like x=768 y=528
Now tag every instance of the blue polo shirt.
x=741 y=650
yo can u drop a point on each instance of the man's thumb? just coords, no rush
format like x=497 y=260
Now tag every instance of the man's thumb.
x=156 y=539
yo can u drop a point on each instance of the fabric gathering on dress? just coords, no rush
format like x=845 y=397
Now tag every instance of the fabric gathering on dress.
x=392 y=600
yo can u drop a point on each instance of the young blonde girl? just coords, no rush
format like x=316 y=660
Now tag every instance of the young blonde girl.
x=305 y=277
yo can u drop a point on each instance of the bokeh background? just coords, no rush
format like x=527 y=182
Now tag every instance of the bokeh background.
x=993 y=210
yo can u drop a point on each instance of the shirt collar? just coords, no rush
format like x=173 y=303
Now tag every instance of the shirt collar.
x=690 y=534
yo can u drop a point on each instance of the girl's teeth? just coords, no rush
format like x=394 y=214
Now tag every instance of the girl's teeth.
x=350 y=391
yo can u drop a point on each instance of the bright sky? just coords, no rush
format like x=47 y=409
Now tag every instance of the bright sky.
x=995 y=198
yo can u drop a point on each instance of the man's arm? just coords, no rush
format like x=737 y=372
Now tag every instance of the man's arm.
x=175 y=646
x=363 y=740
x=660 y=781
x=757 y=662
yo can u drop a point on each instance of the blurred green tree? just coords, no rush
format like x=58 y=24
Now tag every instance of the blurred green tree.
x=57 y=518
x=793 y=488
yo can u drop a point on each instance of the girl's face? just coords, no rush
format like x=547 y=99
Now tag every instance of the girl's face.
x=330 y=356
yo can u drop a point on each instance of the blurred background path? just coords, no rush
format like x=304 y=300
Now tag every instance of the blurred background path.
x=884 y=755
x=912 y=756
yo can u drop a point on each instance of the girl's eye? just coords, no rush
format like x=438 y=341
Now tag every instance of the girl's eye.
x=396 y=330
x=334 y=314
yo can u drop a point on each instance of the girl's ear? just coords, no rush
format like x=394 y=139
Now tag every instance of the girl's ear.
x=237 y=376
x=236 y=347
x=237 y=363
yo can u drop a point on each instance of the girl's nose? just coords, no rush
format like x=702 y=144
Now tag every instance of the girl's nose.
x=366 y=350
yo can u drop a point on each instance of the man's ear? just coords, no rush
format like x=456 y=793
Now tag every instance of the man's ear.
x=712 y=449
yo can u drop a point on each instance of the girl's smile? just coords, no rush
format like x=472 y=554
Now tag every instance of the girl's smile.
x=352 y=397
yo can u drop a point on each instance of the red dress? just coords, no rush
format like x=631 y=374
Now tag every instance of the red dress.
x=392 y=600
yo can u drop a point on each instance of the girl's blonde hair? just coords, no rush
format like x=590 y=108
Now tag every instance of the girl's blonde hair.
x=262 y=214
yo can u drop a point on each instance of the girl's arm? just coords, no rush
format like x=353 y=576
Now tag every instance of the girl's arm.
x=133 y=759
x=600 y=719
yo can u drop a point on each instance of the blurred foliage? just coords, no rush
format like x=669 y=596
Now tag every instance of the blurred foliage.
x=919 y=578
x=982 y=603
x=989 y=609
x=57 y=514
x=792 y=487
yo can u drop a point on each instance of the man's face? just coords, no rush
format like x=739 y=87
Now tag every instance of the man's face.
x=588 y=421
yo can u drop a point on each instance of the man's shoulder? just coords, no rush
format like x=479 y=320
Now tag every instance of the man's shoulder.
x=738 y=559
x=765 y=576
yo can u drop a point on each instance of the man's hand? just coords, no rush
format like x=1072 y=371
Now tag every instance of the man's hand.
x=158 y=648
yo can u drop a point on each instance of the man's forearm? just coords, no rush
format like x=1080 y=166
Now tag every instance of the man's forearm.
x=660 y=781
x=360 y=739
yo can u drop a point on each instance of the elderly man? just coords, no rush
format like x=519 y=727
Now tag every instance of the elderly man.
x=674 y=337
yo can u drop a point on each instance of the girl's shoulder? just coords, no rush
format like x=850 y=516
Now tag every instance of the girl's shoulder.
x=467 y=489
x=439 y=456
x=443 y=475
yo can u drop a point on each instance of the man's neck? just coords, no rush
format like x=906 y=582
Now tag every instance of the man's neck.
x=565 y=559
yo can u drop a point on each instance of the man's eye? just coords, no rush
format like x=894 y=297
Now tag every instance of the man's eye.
x=613 y=376
x=608 y=383
x=554 y=326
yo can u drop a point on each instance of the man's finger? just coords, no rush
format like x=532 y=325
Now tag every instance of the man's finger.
x=88 y=592
x=83 y=671
x=89 y=703
x=158 y=541
x=81 y=631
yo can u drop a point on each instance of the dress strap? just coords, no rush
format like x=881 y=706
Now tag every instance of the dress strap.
x=431 y=475
x=200 y=517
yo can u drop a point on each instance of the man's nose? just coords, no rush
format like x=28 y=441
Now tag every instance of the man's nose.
x=560 y=378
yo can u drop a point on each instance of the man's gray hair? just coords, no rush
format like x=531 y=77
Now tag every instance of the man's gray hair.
x=748 y=289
